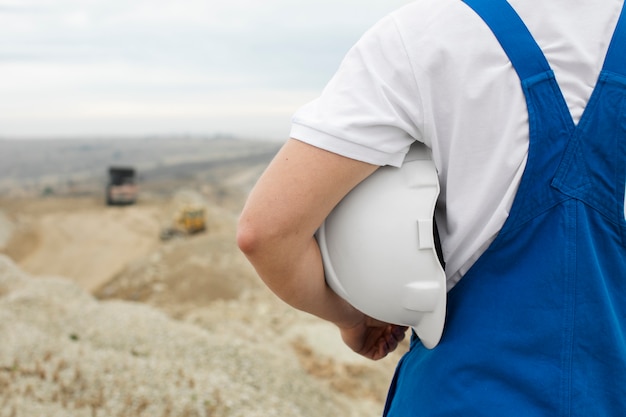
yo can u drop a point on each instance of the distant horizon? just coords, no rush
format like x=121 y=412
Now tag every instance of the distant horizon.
x=148 y=136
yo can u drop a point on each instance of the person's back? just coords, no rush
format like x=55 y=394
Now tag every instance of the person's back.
x=531 y=212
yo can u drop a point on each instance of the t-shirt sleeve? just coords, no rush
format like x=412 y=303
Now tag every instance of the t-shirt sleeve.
x=371 y=109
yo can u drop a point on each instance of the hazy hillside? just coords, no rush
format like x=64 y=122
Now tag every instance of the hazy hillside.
x=72 y=166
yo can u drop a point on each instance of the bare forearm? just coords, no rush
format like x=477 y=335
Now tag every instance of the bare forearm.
x=294 y=272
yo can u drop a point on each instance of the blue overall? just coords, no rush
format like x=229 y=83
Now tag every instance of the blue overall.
x=537 y=327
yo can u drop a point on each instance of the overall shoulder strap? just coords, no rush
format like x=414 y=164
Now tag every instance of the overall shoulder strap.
x=550 y=123
x=513 y=35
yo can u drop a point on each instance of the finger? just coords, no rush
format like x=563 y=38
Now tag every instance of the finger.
x=381 y=351
x=395 y=340
x=393 y=336
x=387 y=343
x=399 y=332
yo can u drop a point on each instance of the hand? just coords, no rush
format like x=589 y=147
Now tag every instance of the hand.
x=372 y=338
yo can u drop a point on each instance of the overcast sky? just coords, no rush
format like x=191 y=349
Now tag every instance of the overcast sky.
x=141 y=67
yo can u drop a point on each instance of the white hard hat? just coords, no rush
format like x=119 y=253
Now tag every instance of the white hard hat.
x=378 y=247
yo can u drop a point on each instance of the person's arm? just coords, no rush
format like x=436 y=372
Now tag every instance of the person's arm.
x=276 y=233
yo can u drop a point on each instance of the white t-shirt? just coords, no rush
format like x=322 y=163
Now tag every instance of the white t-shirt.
x=434 y=72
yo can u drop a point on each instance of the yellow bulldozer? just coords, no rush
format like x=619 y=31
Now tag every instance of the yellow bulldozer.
x=188 y=215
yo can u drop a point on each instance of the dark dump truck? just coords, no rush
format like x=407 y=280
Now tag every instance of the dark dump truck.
x=122 y=186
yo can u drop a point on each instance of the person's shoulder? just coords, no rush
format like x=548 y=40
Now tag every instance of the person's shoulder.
x=428 y=18
x=416 y=17
x=420 y=11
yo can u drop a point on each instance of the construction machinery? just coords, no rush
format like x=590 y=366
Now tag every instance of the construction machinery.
x=188 y=215
x=122 y=186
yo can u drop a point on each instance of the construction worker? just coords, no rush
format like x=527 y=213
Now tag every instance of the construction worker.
x=522 y=105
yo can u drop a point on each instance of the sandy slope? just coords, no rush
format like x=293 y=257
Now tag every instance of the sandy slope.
x=90 y=246
x=6 y=229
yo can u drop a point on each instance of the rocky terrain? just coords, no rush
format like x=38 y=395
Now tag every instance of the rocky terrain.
x=100 y=317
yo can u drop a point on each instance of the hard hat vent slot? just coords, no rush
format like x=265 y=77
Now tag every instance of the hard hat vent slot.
x=425 y=234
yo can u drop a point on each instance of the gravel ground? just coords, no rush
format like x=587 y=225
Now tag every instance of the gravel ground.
x=64 y=353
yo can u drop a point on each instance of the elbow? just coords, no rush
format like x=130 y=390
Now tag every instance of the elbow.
x=247 y=237
x=254 y=237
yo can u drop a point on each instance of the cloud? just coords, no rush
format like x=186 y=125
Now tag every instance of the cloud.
x=171 y=58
